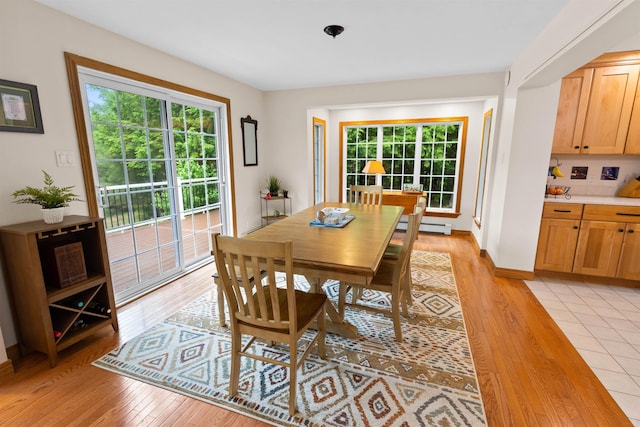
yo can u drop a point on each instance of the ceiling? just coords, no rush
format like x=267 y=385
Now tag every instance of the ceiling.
x=280 y=44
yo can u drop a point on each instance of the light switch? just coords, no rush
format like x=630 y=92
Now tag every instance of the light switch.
x=64 y=159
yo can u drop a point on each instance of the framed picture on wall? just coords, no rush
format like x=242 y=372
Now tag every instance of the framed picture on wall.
x=19 y=108
x=610 y=173
x=579 y=172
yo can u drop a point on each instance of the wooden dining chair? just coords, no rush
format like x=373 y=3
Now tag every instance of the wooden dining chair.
x=388 y=278
x=365 y=194
x=222 y=318
x=263 y=310
x=392 y=252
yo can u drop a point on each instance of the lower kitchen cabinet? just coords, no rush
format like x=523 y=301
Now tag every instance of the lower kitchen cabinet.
x=557 y=244
x=599 y=248
x=558 y=236
x=590 y=240
x=629 y=265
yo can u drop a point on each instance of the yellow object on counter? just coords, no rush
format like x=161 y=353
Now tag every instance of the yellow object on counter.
x=556 y=172
x=632 y=189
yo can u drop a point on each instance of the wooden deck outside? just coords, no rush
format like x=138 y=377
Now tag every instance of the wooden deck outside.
x=157 y=249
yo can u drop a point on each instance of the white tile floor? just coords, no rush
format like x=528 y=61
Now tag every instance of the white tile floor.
x=603 y=324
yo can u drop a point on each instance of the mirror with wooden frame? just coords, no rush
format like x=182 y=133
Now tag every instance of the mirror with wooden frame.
x=249 y=140
x=482 y=168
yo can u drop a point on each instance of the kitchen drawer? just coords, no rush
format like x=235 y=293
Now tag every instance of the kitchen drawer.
x=612 y=213
x=562 y=210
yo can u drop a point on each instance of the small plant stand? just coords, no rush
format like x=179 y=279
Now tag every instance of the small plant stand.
x=274 y=209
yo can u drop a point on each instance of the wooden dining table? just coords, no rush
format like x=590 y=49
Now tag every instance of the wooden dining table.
x=352 y=253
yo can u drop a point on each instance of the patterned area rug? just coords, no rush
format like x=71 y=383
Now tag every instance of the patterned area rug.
x=427 y=380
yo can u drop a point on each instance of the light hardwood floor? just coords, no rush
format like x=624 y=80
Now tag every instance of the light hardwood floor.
x=529 y=373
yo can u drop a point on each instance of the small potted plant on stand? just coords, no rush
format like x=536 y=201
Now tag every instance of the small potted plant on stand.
x=51 y=198
x=273 y=185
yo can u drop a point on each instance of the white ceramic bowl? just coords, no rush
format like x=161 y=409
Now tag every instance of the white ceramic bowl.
x=331 y=220
x=340 y=212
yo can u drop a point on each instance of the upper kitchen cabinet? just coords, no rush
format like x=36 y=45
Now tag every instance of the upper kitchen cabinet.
x=572 y=110
x=595 y=106
x=613 y=90
x=633 y=138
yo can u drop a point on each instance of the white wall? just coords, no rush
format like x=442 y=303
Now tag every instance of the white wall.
x=525 y=179
x=34 y=38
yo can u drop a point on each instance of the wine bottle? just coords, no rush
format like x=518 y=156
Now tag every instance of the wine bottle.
x=96 y=307
x=73 y=303
x=79 y=324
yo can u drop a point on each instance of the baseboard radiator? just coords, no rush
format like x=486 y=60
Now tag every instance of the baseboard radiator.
x=428 y=227
x=436 y=228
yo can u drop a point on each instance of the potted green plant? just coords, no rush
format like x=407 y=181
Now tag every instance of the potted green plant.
x=273 y=185
x=51 y=199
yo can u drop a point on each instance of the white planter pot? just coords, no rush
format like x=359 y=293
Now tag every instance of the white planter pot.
x=53 y=216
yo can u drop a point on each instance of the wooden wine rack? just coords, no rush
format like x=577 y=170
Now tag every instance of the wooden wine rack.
x=44 y=300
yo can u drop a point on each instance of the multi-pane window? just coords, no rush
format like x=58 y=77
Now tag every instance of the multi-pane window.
x=398 y=156
x=195 y=141
x=362 y=145
x=423 y=152
x=439 y=161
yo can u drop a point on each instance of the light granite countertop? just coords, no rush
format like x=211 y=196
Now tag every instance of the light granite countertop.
x=595 y=200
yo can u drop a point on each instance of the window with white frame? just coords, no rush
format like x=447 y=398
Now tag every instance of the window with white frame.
x=426 y=152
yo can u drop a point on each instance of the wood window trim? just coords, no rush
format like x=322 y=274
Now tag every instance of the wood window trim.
x=442 y=214
x=74 y=61
x=465 y=124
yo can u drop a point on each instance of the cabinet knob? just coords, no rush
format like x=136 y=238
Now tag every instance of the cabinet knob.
x=631 y=231
x=576 y=147
x=585 y=147
x=575 y=227
x=620 y=230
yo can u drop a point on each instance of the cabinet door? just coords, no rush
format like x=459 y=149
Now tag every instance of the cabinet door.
x=599 y=247
x=610 y=103
x=557 y=244
x=572 y=110
x=633 y=138
x=629 y=265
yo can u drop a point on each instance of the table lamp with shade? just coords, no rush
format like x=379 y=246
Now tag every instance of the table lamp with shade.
x=373 y=167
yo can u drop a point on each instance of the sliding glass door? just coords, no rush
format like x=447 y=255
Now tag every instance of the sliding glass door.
x=156 y=160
